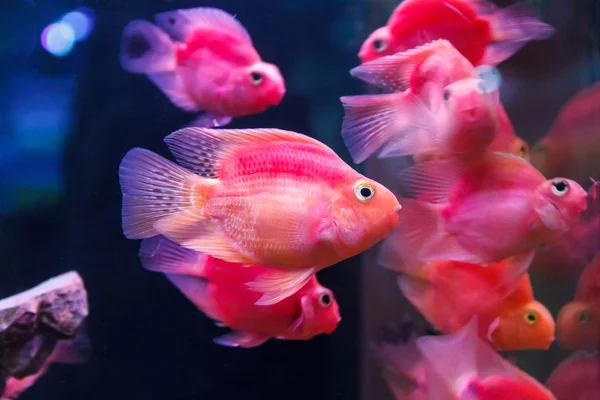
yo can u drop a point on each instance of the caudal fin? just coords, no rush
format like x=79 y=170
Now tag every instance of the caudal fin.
x=370 y=121
x=156 y=190
x=512 y=27
x=146 y=49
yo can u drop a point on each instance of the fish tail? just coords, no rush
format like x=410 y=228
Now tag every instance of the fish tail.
x=146 y=49
x=399 y=119
x=159 y=197
x=511 y=28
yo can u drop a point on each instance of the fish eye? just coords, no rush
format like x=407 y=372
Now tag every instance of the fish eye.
x=325 y=299
x=256 y=78
x=446 y=95
x=364 y=191
x=531 y=317
x=379 y=45
x=560 y=188
x=584 y=316
x=523 y=150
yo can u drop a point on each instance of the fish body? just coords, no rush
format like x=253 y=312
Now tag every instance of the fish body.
x=483 y=33
x=450 y=293
x=572 y=146
x=203 y=59
x=577 y=377
x=219 y=289
x=458 y=366
x=578 y=322
x=265 y=197
x=441 y=104
x=482 y=210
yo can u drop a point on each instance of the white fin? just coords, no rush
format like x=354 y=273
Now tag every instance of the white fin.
x=242 y=339
x=145 y=49
x=178 y=24
x=279 y=284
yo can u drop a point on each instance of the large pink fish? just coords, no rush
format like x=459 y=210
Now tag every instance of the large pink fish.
x=219 y=289
x=482 y=210
x=203 y=59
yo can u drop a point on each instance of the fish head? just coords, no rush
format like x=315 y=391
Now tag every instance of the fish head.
x=519 y=147
x=380 y=43
x=326 y=309
x=255 y=88
x=578 y=326
x=471 y=108
x=365 y=212
x=559 y=203
x=550 y=157
x=530 y=327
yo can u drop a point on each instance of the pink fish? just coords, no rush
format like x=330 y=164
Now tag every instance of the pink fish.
x=458 y=366
x=219 y=289
x=481 y=210
x=74 y=351
x=441 y=104
x=264 y=197
x=203 y=59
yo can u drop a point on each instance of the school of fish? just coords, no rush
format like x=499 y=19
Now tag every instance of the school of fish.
x=242 y=220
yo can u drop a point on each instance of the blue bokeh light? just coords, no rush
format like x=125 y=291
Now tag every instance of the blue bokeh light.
x=58 y=38
x=82 y=22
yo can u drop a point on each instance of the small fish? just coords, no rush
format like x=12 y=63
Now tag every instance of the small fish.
x=264 y=197
x=572 y=147
x=577 y=377
x=450 y=293
x=203 y=59
x=441 y=104
x=481 y=211
x=218 y=288
x=460 y=366
x=74 y=351
x=578 y=322
x=483 y=33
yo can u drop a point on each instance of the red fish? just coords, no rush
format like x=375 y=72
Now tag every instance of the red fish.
x=74 y=351
x=483 y=33
x=203 y=59
x=578 y=322
x=441 y=104
x=264 y=197
x=481 y=210
x=572 y=147
x=577 y=377
x=460 y=366
x=507 y=141
x=219 y=289
x=449 y=293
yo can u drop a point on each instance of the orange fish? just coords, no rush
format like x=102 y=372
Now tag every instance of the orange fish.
x=483 y=33
x=578 y=322
x=460 y=366
x=441 y=104
x=203 y=59
x=450 y=293
x=218 y=288
x=264 y=197
x=481 y=210
x=572 y=147
x=577 y=377
x=74 y=351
